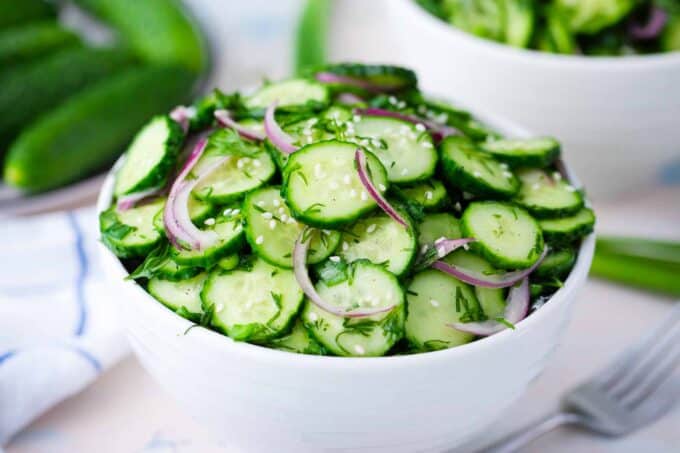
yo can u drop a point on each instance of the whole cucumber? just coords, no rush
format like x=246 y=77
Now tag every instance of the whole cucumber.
x=159 y=31
x=90 y=130
x=30 y=90
x=25 y=43
x=17 y=12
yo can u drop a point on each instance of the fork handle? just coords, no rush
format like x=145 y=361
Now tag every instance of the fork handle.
x=518 y=439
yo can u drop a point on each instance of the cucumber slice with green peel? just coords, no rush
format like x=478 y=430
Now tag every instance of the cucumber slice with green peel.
x=505 y=234
x=436 y=226
x=271 y=231
x=131 y=233
x=381 y=240
x=229 y=230
x=476 y=172
x=151 y=157
x=322 y=187
x=298 y=340
x=237 y=176
x=492 y=300
x=524 y=152
x=287 y=93
x=566 y=230
x=180 y=294
x=229 y=262
x=405 y=150
x=199 y=211
x=557 y=263
x=371 y=286
x=434 y=299
x=391 y=78
x=256 y=304
x=431 y=195
x=547 y=196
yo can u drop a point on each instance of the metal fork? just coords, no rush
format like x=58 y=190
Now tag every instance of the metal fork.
x=638 y=387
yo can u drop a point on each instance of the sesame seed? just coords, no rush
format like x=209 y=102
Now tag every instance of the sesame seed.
x=307 y=132
x=504 y=166
x=440 y=239
x=427 y=145
x=227 y=211
x=428 y=195
x=570 y=188
x=535 y=186
x=313 y=316
x=345 y=246
x=404 y=171
x=420 y=127
x=477 y=174
x=434 y=303
x=347 y=179
x=240 y=163
x=292 y=221
x=209 y=221
x=267 y=215
x=276 y=203
x=259 y=240
x=557 y=176
x=282 y=210
x=364 y=195
x=284 y=218
x=326 y=232
x=353 y=193
x=236 y=211
x=401 y=104
x=392 y=100
x=359 y=349
x=257 y=163
x=371 y=228
x=382 y=187
x=219 y=308
x=356 y=118
x=272 y=224
x=423 y=249
x=507 y=174
x=457 y=206
x=466 y=247
x=261 y=203
x=335 y=259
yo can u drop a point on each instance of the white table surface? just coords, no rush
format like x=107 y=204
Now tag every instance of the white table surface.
x=125 y=411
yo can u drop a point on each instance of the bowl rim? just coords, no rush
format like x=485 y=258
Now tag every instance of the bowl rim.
x=653 y=60
x=114 y=267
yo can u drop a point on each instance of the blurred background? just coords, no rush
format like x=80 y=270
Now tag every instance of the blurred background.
x=78 y=78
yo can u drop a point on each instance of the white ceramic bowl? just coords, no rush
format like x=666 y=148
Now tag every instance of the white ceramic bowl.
x=618 y=117
x=256 y=399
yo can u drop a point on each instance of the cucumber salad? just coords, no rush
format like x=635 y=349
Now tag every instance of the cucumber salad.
x=343 y=213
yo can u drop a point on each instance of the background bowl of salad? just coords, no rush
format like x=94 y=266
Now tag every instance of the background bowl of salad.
x=375 y=351
x=601 y=75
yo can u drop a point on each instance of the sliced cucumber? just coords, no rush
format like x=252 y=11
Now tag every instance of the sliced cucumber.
x=406 y=152
x=131 y=233
x=435 y=226
x=229 y=230
x=287 y=93
x=505 y=234
x=381 y=240
x=524 y=152
x=180 y=294
x=434 y=299
x=546 y=195
x=172 y=271
x=491 y=300
x=371 y=286
x=298 y=340
x=558 y=263
x=272 y=231
x=151 y=156
x=199 y=211
x=431 y=194
x=256 y=304
x=476 y=172
x=235 y=177
x=391 y=78
x=321 y=185
x=568 y=229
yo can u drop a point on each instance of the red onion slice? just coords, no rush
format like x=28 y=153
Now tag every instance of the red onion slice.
x=373 y=191
x=276 y=135
x=349 y=99
x=225 y=120
x=653 y=28
x=488 y=281
x=438 y=130
x=182 y=115
x=302 y=277
x=129 y=201
x=516 y=309
x=179 y=228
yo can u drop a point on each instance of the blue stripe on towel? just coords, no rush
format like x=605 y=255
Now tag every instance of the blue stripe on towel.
x=81 y=275
x=6 y=356
x=91 y=359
